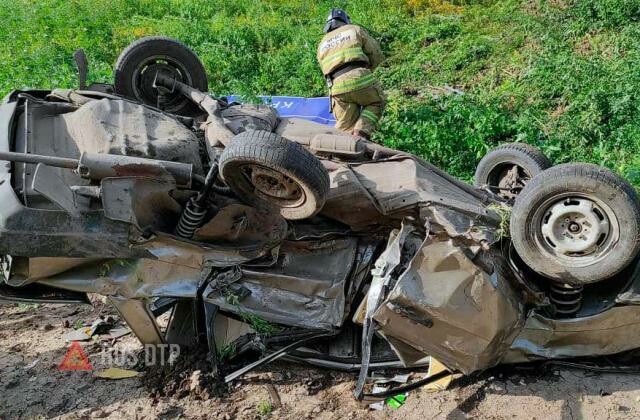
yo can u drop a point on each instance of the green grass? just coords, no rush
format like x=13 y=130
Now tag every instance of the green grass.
x=559 y=74
x=264 y=408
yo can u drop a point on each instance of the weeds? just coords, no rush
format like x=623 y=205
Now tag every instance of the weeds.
x=561 y=75
x=264 y=408
x=504 y=212
x=258 y=324
x=28 y=307
x=226 y=351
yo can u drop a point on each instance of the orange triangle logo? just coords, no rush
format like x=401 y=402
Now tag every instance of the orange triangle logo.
x=75 y=359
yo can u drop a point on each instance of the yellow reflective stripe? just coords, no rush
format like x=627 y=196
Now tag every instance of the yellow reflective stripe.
x=369 y=115
x=346 y=58
x=353 y=52
x=352 y=84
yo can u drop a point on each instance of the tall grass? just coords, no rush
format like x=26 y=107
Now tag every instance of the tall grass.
x=559 y=74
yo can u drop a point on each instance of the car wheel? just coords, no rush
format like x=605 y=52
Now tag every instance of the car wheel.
x=140 y=62
x=506 y=169
x=265 y=169
x=576 y=223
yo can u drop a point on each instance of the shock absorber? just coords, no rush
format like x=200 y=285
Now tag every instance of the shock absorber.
x=566 y=299
x=196 y=208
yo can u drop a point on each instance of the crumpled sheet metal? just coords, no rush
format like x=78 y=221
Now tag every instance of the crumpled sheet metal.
x=173 y=268
x=191 y=254
x=613 y=331
x=382 y=277
x=27 y=270
x=239 y=224
x=446 y=306
x=363 y=194
x=143 y=202
x=305 y=288
x=130 y=279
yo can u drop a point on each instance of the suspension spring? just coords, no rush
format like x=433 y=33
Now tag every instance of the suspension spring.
x=196 y=208
x=191 y=218
x=566 y=299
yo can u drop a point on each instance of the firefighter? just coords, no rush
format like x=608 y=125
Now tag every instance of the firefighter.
x=347 y=56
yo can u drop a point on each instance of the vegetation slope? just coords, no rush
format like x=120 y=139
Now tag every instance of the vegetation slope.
x=461 y=76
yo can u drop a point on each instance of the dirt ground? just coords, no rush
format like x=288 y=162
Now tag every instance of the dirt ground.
x=31 y=385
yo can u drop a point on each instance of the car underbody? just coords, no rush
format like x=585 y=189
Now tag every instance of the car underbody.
x=378 y=260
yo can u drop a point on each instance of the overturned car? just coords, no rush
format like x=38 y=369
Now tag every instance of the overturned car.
x=287 y=238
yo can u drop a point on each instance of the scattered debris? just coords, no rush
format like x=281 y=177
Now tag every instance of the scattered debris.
x=116 y=373
x=85 y=333
x=380 y=386
x=435 y=367
x=378 y=406
x=317 y=382
x=117 y=332
x=32 y=364
x=273 y=394
x=397 y=401
x=103 y=326
x=401 y=379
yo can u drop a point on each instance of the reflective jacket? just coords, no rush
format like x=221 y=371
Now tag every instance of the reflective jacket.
x=349 y=44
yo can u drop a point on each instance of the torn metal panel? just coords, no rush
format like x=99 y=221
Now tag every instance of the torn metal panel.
x=48 y=183
x=130 y=279
x=612 y=331
x=174 y=271
x=139 y=318
x=413 y=182
x=457 y=224
x=178 y=251
x=22 y=270
x=446 y=306
x=364 y=194
x=239 y=224
x=382 y=273
x=349 y=202
x=304 y=288
x=143 y=202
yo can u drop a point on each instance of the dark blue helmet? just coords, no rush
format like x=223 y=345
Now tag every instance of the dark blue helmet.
x=336 y=18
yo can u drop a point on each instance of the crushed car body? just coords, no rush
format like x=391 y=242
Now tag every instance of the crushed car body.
x=288 y=239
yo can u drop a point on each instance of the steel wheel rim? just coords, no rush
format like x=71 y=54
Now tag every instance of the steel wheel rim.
x=274 y=186
x=577 y=229
x=144 y=74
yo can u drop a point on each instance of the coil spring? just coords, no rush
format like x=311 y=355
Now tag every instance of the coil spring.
x=566 y=299
x=190 y=219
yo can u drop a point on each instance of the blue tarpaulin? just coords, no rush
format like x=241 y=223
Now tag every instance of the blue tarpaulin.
x=312 y=109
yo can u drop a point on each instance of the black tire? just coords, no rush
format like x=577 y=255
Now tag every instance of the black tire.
x=139 y=63
x=495 y=165
x=265 y=169
x=576 y=223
